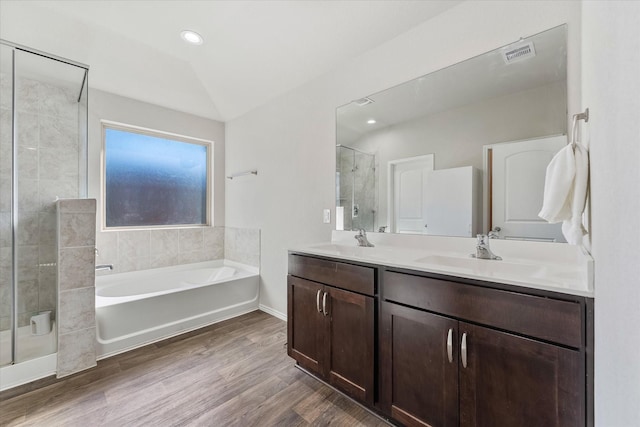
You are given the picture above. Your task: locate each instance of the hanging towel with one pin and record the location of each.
(558, 186)
(572, 227)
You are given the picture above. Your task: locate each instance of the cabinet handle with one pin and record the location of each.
(318, 301)
(450, 345)
(324, 304)
(463, 349)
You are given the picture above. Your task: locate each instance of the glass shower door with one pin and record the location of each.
(355, 189)
(48, 167)
(364, 194)
(344, 188)
(42, 158)
(6, 236)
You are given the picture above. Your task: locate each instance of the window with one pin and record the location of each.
(154, 179)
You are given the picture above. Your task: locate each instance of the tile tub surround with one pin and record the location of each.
(242, 245)
(76, 219)
(134, 250)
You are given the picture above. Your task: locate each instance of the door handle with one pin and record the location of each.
(324, 304)
(318, 301)
(450, 345)
(463, 350)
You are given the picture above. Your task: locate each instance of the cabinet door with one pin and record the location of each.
(351, 343)
(305, 323)
(515, 381)
(418, 382)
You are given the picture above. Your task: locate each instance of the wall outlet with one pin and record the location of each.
(326, 216)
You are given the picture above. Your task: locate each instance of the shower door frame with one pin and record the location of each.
(14, 168)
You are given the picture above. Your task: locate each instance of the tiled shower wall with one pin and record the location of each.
(133, 250)
(48, 148)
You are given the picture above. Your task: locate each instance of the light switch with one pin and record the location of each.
(326, 216)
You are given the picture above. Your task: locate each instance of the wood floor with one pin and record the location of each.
(234, 373)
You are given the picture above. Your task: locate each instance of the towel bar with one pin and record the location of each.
(574, 127)
(235, 175)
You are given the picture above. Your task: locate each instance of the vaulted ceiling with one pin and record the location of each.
(253, 51)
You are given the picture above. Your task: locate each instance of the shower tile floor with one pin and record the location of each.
(233, 373)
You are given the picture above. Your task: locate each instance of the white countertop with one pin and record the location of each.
(553, 267)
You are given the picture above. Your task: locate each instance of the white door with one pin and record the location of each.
(517, 172)
(407, 185)
(450, 208)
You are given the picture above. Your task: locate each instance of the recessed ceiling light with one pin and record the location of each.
(371, 121)
(191, 37)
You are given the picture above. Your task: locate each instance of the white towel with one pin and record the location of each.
(572, 227)
(565, 191)
(558, 183)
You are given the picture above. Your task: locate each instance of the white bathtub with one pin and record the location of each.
(137, 308)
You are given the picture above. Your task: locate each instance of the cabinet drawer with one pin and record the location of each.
(351, 277)
(543, 318)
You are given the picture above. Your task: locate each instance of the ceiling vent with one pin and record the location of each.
(518, 53)
(363, 101)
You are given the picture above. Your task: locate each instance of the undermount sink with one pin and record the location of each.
(483, 266)
(354, 251)
(340, 249)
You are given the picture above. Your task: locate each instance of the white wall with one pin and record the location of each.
(291, 140)
(611, 90)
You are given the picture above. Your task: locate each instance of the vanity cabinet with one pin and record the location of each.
(519, 381)
(419, 384)
(331, 322)
(461, 354)
(427, 349)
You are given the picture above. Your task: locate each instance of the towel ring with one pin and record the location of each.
(574, 127)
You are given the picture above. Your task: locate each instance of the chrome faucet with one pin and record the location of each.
(104, 267)
(482, 249)
(494, 234)
(361, 237)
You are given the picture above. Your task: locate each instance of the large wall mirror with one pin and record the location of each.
(460, 151)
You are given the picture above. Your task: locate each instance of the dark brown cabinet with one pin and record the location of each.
(438, 370)
(331, 330)
(419, 370)
(449, 351)
(306, 339)
(515, 381)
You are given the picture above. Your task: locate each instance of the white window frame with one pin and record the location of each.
(107, 124)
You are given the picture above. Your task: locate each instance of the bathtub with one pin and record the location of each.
(137, 308)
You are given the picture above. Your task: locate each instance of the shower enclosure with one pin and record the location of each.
(355, 189)
(43, 157)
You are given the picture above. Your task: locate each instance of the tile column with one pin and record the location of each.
(76, 228)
